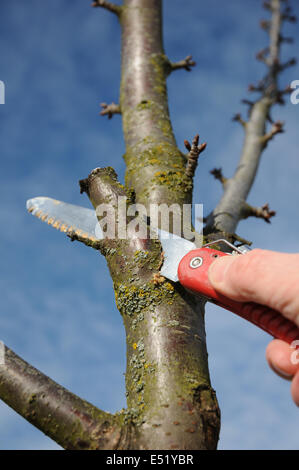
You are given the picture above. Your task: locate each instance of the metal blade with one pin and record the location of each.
(66, 217)
(175, 248)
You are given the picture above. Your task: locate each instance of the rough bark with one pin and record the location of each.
(170, 399)
(155, 165)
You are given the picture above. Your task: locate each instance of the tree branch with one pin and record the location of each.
(277, 128)
(110, 109)
(75, 236)
(108, 6)
(70, 421)
(238, 118)
(186, 64)
(228, 211)
(263, 212)
(192, 157)
(151, 149)
(217, 173)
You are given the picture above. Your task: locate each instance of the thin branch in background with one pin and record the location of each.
(230, 208)
(192, 157)
(110, 109)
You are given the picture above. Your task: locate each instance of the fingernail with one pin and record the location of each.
(282, 373)
(218, 269)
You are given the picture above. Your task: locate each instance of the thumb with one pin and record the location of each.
(261, 276)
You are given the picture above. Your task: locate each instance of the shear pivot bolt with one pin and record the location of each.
(196, 262)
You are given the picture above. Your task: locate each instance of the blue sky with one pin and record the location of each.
(58, 63)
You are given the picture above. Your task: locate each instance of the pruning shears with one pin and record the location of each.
(187, 264)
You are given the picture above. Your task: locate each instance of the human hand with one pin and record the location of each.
(268, 278)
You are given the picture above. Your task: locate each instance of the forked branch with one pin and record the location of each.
(186, 64)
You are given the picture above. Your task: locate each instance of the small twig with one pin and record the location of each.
(250, 105)
(261, 55)
(289, 63)
(186, 64)
(277, 128)
(288, 89)
(285, 39)
(108, 5)
(94, 243)
(192, 157)
(110, 109)
(217, 173)
(265, 25)
(287, 16)
(238, 118)
(267, 6)
(260, 87)
(262, 212)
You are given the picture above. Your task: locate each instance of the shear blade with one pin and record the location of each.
(174, 248)
(66, 217)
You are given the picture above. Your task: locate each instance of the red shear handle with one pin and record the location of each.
(193, 275)
(270, 321)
